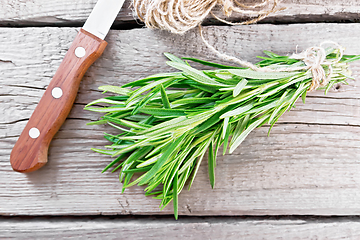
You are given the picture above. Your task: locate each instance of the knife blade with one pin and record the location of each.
(31, 149)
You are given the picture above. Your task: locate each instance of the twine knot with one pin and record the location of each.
(315, 59)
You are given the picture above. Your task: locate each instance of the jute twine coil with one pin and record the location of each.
(179, 16)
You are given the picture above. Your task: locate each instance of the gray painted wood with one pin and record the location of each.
(67, 12)
(308, 166)
(193, 228)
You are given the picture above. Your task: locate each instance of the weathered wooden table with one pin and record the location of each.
(302, 182)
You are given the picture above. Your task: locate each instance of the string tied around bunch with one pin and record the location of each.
(314, 59)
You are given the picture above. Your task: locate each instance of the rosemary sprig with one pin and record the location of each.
(169, 121)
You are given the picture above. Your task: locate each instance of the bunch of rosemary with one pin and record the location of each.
(169, 121)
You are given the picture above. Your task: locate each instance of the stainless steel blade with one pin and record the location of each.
(102, 17)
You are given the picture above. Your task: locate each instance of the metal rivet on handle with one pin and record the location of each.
(80, 52)
(57, 92)
(34, 133)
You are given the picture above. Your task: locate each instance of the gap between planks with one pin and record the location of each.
(67, 13)
(185, 228)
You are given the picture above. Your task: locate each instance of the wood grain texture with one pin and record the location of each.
(30, 154)
(70, 13)
(190, 228)
(308, 166)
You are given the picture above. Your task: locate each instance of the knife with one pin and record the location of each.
(31, 149)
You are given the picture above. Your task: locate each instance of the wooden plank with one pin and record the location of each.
(70, 13)
(308, 165)
(190, 228)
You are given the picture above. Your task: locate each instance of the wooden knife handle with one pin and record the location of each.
(31, 149)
